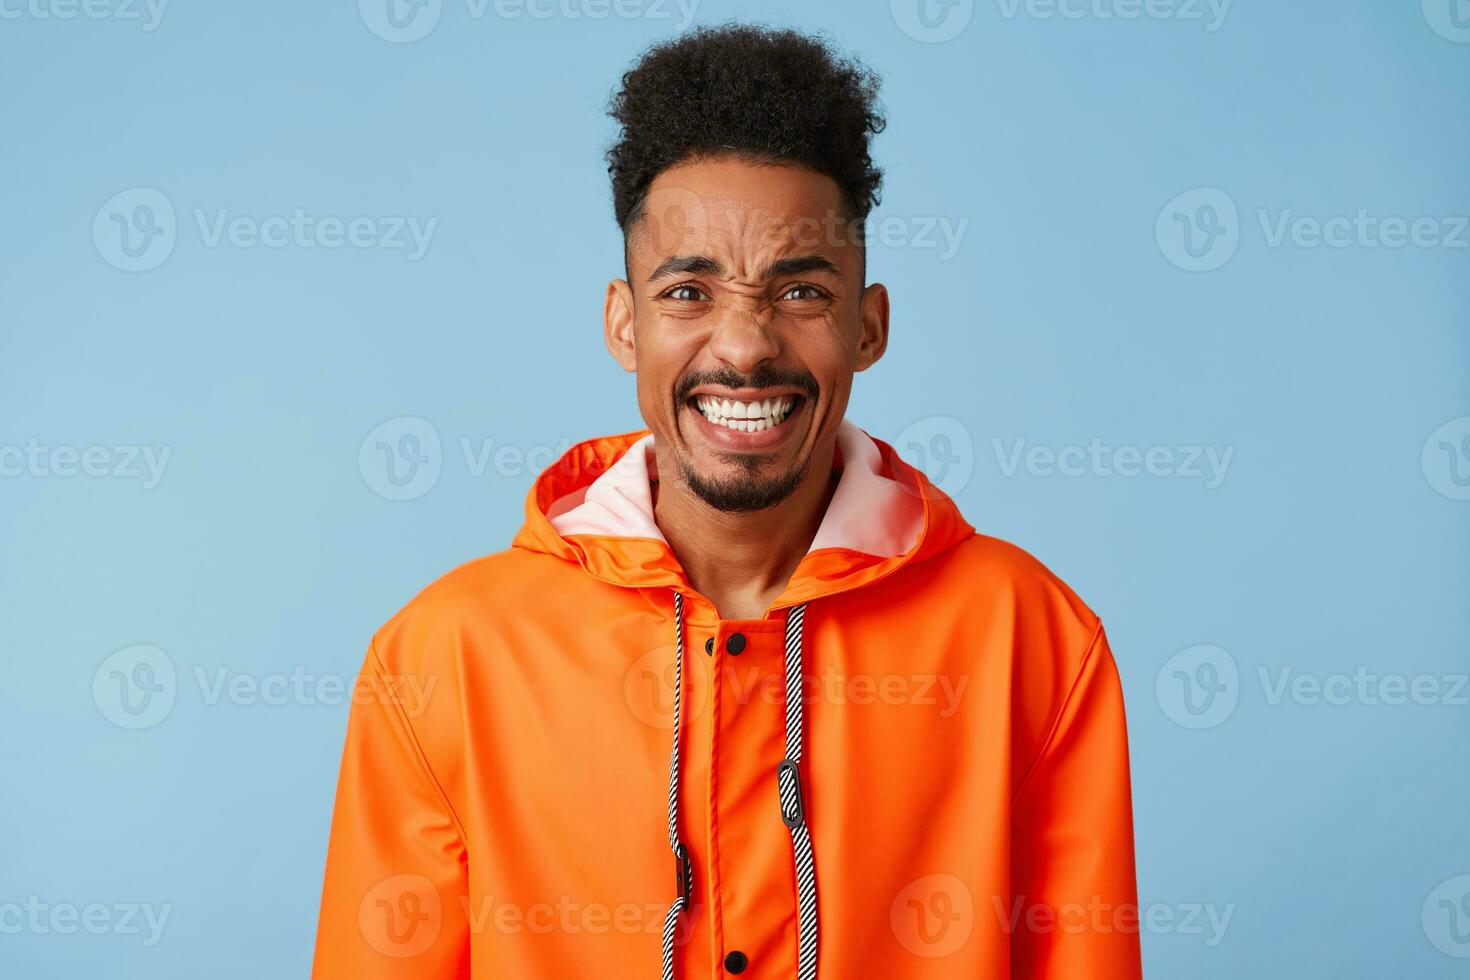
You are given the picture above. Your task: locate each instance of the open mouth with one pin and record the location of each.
(746, 416)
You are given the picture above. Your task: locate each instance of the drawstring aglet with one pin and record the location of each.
(684, 874)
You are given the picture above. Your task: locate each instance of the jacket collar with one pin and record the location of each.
(594, 506)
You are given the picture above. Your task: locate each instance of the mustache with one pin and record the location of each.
(764, 377)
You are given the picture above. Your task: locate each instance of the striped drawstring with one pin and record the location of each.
(683, 870)
(793, 812)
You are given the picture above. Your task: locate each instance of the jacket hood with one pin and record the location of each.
(594, 506)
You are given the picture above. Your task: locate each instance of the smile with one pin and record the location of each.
(754, 416)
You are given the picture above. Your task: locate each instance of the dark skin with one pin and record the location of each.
(744, 278)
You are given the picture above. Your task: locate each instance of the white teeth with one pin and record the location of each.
(745, 416)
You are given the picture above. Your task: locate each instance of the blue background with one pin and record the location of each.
(266, 549)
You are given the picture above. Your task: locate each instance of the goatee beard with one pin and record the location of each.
(743, 493)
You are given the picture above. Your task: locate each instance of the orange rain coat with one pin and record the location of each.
(503, 805)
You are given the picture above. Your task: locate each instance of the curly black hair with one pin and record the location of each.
(766, 94)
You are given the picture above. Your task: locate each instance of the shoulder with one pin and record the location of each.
(1033, 620)
(435, 655)
(467, 602)
(1007, 579)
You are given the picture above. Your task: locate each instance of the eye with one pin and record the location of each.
(805, 291)
(685, 292)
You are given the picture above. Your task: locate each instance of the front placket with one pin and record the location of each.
(752, 896)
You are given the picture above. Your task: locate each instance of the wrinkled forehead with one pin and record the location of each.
(744, 216)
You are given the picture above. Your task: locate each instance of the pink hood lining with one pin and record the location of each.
(869, 512)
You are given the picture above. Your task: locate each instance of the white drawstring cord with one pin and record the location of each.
(683, 870)
(793, 811)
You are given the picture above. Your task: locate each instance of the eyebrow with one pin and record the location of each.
(680, 264)
(704, 265)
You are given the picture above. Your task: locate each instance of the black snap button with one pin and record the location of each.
(735, 961)
(735, 643)
(709, 646)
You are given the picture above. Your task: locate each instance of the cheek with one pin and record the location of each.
(823, 350)
(663, 358)
(830, 338)
(654, 394)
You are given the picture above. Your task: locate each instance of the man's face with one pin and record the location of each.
(745, 317)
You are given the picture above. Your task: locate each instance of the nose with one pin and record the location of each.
(744, 338)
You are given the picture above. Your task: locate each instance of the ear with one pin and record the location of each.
(873, 328)
(617, 324)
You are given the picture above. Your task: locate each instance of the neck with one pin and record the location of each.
(742, 561)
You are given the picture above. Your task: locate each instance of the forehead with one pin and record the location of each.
(741, 213)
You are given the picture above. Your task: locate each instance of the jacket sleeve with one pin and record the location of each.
(393, 903)
(1073, 877)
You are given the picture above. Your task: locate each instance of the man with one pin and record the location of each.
(750, 646)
